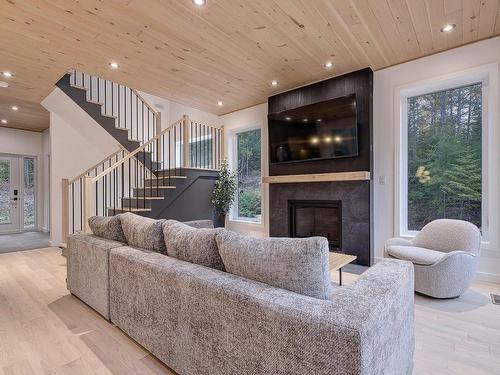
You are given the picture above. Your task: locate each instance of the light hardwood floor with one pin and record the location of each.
(44, 330)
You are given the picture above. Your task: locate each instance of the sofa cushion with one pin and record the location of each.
(200, 223)
(143, 232)
(109, 227)
(191, 244)
(296, 264)
(416, 255)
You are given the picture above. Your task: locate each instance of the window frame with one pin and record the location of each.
(488, 77)
(234, 217)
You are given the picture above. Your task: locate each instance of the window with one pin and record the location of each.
(248, 156)
(5, 192)
(29, 193)
(444, 176)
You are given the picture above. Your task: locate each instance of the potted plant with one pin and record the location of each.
(224, 192)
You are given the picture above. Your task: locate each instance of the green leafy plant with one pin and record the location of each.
(225, 189)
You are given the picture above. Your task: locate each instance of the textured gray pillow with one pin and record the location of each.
(143, 232)
(109, 227)
(200, 223)
(192, 245)
(296, 264)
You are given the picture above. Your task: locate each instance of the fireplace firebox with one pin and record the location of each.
(307, 218)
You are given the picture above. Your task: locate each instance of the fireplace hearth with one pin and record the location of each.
(308, 218)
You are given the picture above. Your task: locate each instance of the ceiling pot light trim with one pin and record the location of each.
(4, 121)
(448, 27)
(14, 108)
(8, 74)
(114, 65)
(199, 3)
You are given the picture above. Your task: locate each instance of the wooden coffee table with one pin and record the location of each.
(339, 260)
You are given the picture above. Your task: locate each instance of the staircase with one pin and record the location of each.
(157, 173)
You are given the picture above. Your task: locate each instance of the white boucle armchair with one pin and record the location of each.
(444, 255)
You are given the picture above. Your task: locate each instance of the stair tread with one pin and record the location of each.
(130, 209)
(164, 177)
(144, 198)
(154, 187)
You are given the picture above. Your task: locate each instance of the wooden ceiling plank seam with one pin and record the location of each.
(354, 32)
(383, 14)
(470, 19)
(487, 16)
(421, 23)
(366, 14)
(404, 24)
(435, 11)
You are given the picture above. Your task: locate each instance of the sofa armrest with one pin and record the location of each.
(200, 320)
(87, 270)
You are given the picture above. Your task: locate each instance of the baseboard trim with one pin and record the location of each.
(488, 277)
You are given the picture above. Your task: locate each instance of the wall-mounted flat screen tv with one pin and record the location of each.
(324, 130)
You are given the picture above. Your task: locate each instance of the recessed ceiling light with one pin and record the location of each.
(319, 120)
(14, 107)
(7, 74)
(199, 3)
(288, 118)
(448, 27)
(328, 65)
(274, 83)
(305, 120)
(4, 121)
(4, 84)
(219, 103)
(114, 65)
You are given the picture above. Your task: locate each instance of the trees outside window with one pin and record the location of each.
(248, 154)
(444, 156)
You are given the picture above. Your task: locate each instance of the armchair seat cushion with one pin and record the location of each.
(416, 255)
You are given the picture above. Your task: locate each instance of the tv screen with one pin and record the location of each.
(324, 130)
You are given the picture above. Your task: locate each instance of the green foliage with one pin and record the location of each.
(249, 174)
(249, 203)
(225, 189)
(444, 156)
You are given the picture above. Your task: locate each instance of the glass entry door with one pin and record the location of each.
(10, 194)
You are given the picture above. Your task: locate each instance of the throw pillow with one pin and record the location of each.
(296, 264)
(192, 245)
(109, 227)
(143, 232)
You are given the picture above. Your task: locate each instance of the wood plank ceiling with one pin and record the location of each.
(228, 50)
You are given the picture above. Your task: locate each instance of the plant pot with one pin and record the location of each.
(220, 221)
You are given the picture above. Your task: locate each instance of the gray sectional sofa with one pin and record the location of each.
(201, 320)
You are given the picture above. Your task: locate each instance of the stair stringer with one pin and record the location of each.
(190, 200)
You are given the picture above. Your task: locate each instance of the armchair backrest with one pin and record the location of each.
(449, 235)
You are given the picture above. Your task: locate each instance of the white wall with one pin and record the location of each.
(26, 143)
(386, 83)
(253, 117)
(77, 143)
(46, 179)
(172, 111)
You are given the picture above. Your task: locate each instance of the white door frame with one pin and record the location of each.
(17, 183)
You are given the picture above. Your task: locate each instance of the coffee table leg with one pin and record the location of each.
(340, 276)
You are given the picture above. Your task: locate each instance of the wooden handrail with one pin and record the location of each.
(98, 164)
(145, 102)
(133, 153)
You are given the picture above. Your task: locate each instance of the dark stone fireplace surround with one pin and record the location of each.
(356, 196)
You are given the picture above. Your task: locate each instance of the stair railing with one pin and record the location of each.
(126, 105)
(131, 181)
(73, 220)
